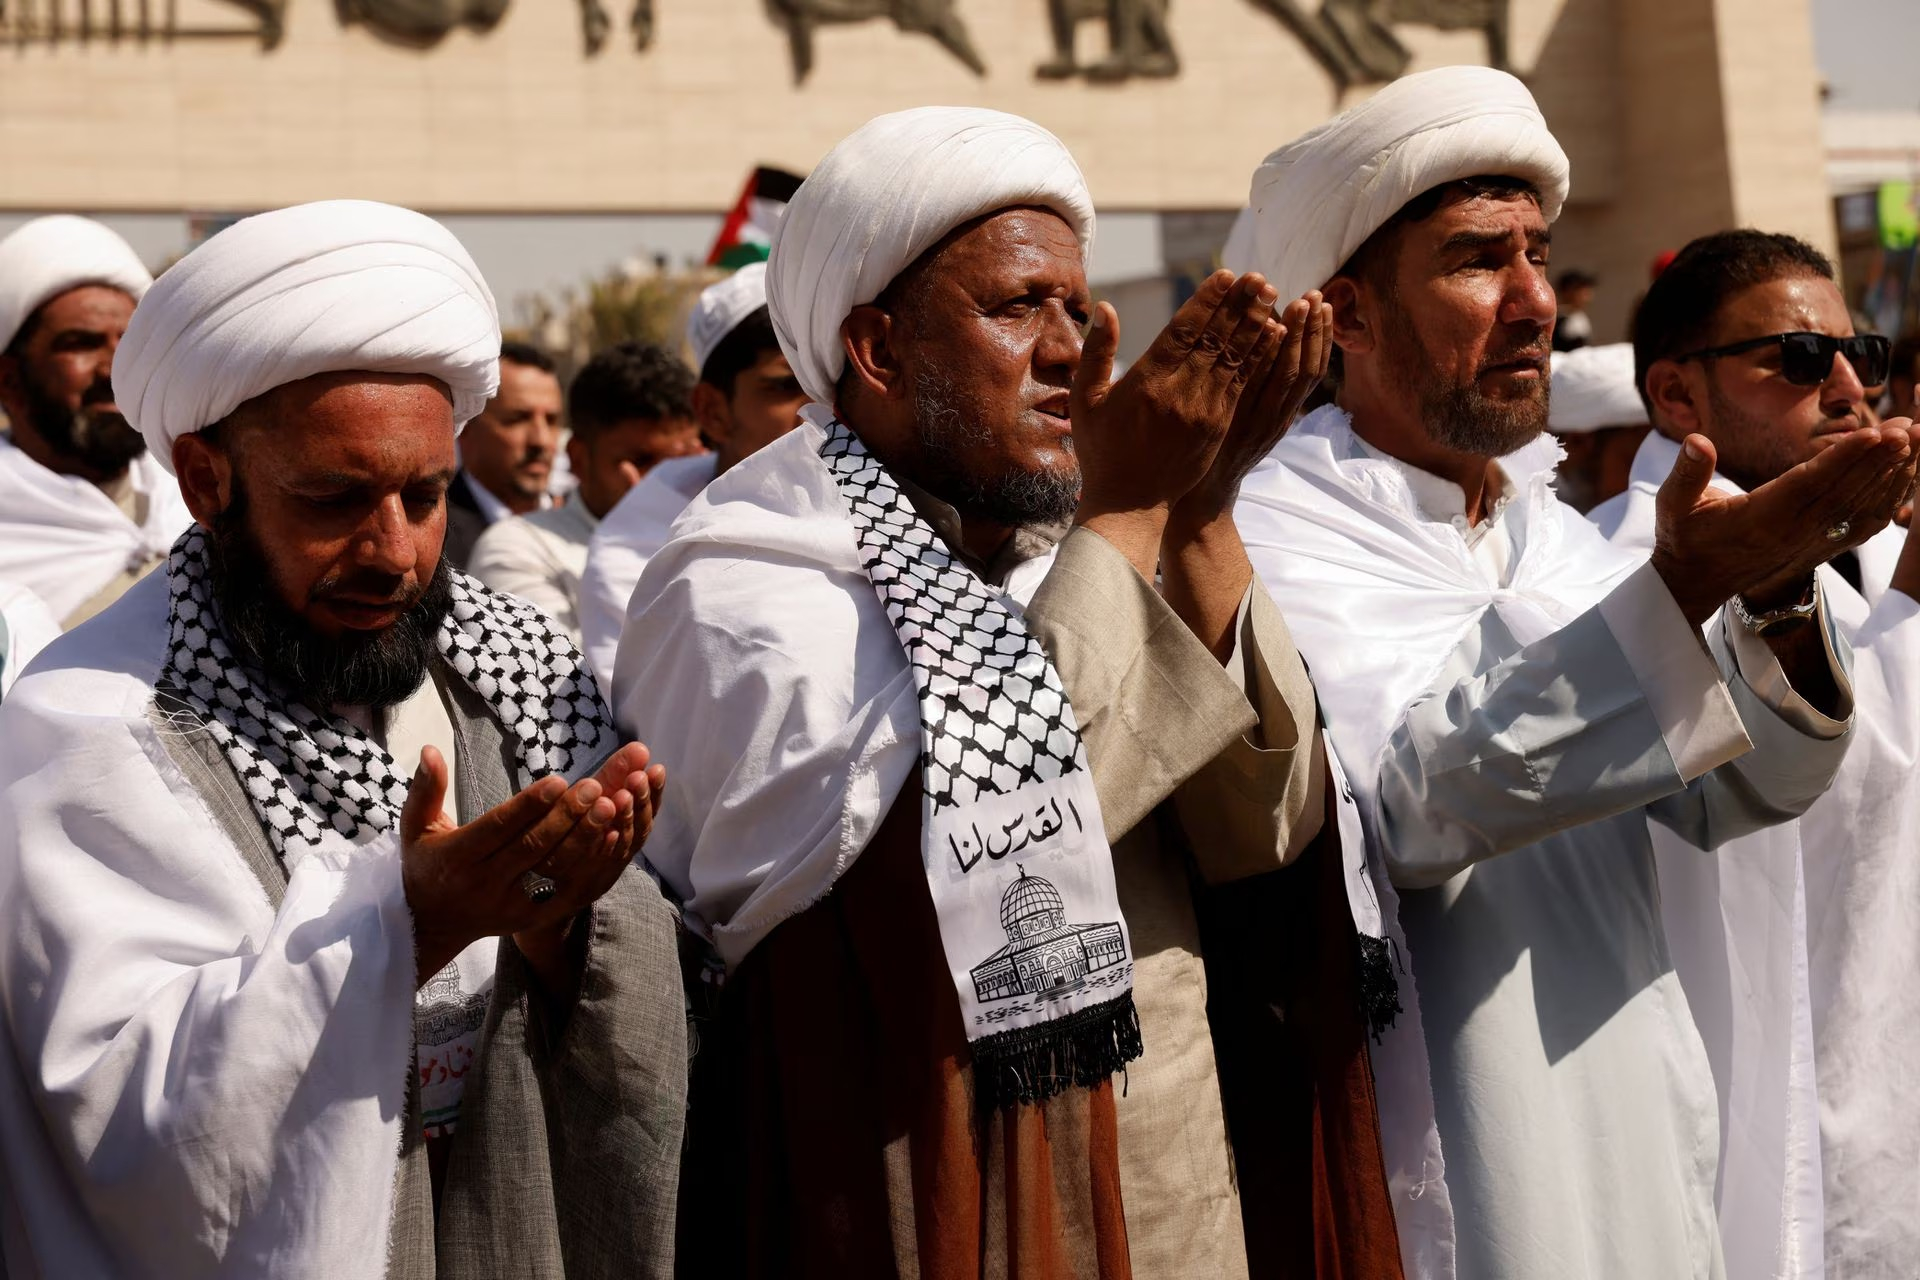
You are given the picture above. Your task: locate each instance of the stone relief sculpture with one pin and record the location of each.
(1354, 39)
(936, 18)
(596, 26)
(420, 21)
(24, 22)
(1138, 43)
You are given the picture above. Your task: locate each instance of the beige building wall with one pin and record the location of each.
(1680, 116)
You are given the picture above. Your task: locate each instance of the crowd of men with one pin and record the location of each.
(1364, 793)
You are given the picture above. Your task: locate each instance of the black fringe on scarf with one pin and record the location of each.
(1379, 991)
(1079, 1050)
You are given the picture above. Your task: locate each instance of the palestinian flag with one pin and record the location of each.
(747, 234)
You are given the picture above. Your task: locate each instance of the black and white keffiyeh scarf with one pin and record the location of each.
(308, 773)
(1012, 841)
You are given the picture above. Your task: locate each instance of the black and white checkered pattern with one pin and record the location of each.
(308, 773)
(993, 713)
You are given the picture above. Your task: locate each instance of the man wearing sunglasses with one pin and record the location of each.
(1797, 945)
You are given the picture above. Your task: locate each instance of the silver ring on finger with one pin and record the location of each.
(537, 887)
(1838, 532)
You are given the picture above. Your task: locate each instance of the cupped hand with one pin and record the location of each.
(464, 883)
(1710, 546)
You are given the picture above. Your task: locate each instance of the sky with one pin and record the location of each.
(1869, 51)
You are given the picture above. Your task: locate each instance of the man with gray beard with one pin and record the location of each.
(1513, 698)
(84, 512)
(959, 789)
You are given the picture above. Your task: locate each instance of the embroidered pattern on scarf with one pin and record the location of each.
(1012, 840)
(307, 773)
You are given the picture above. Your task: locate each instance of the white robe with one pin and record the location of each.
(29, 626)
(191, 1083)
(1510, 721)
(1797, 946)
(63, 539)
(539, 557)
(630, 535)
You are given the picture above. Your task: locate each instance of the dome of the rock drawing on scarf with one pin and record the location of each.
(1030, 906)
(1046, 956)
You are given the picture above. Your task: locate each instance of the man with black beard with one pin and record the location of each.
(975, 712)
(84, 512)
(1514, 699)
(320, 954)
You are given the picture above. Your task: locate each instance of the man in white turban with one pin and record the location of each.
(1514, 699)
(631, 412)
(1597, 415)
(1797, 944)
(746, 398)
(922, 743)
(85, 510)
(271, 1008)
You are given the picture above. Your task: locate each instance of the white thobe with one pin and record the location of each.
(1797, 947)
(539, 557)
(630, 535)
(26, 627)
(66, 541)
(191, 1081)
(1513, 701)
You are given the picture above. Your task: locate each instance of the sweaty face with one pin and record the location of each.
(1761, 424)
(1468, 325)
(509, 447)
(62, 383)
(327, 566)
(988, 335)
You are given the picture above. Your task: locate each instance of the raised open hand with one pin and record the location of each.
(1147, 439)
(1271, 401)
(467, 883)
(1710, 546)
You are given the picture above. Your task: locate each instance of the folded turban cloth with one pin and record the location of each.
(334, 287)
(1319, 197)
(48, 256)
(885, 195)
(722, 307)
(1593, 387)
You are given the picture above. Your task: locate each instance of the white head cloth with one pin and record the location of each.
(1319, 197)
(885, 195)
(722, 307)
(333, 287)
(48, 256)
(1593, 387)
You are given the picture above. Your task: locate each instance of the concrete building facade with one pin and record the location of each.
(555, 162)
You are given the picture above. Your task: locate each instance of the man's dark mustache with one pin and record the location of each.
(387, 589)
(101, 392)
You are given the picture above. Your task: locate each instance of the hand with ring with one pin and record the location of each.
(527, 866)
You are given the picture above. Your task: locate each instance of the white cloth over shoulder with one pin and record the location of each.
(1802, 939)
(1593, 388)
(886, 194)
(333, 287)
(64, 539)
(48, 256)
(759, 661)
(26, 627)
(191, 1083)
(631, 535)
(722, 307)
(1317, 199)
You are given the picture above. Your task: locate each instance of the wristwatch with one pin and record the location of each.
(1777, 620)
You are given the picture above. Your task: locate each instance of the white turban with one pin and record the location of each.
(722, 307)
(1317, 199)
(48, 256)
(335, 287)
(885, 195)
(1593, 387)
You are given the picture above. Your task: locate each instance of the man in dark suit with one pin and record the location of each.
(506, 454)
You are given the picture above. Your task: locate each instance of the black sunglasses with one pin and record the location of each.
(1806, 359)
